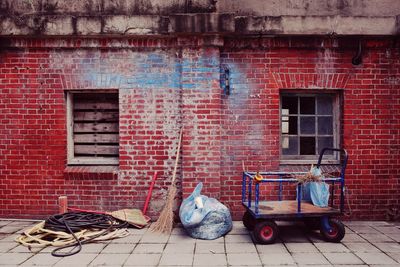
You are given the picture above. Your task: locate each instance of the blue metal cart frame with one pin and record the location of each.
(330, 228)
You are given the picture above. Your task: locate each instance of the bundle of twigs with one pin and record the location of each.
(165, 221)
(308, 177)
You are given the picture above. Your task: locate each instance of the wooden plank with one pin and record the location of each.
(70, 131)
(104, 116)
(289, 208)
(95, 127)
(90, 105)
(96, 150)
(96, 138)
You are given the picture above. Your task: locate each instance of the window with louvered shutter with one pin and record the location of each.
(93, 128)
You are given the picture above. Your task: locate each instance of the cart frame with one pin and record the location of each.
(302, 210)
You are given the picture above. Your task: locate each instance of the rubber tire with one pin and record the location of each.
(338, 231)
(248, 221)
(265, 232)
(312, 224)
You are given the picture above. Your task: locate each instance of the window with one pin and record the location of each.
(309, 122)
(93, 128)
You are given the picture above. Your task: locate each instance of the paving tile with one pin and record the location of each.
(388, 247)
(309, 258)
(143, 260)
(301, 247)
(238, 239)
(217, 240)
(363, 229)
(352, 238)
(150, 237)
(362, 247)
(10, 238)
(118, 249)
(213, 248)
(4, 222)
(80, 259)
(137, 231)
(23, 249)
(395, 237)
(110, 259)
(395, 256)
(130, 239)
(366, 223)
(149, 248)
(209, 260)
(272, 248)
(177, 248)
(331, 247)
(297, 237)
(240, 248)
(10, 229)
(243, 259)
(178, 231)
(388, 229)
(14, 258)
(376, 238)
(176, 259)
(375, 258)
(92, 248)
(181, 239)
(41, 260)
(277, 259)
(238, 229)
(7, 246)
(343, 258)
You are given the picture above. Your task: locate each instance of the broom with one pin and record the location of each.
(165, 221)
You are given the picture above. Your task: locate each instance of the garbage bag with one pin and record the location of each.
(204, 217)
(316, 192)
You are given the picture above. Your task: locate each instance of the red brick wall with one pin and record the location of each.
(165, 84)
(370, 124)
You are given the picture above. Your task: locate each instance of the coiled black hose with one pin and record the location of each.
(72, 222)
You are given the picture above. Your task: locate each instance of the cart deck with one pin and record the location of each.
(288, 209)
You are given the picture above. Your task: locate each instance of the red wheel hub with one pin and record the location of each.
(334, 231)
(267, 232)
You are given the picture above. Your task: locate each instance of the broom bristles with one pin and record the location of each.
(165, 221)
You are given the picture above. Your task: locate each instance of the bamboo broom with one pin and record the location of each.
(165, 221)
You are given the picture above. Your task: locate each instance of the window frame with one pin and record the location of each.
(336, 117)
(71, 159)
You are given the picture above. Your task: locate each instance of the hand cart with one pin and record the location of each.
(260, 216)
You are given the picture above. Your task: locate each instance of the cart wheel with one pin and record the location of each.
(337, 233)
(248, 221)
(265, 232)
(312, 224)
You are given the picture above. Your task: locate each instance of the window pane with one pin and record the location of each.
(324, 105)
(289, 145)
(292, 125)
(307, 125)
(325, 142)
(307, 145)
(290, 103)
(307, 105)
(325, 125)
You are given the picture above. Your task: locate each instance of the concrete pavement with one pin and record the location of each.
(365, 244)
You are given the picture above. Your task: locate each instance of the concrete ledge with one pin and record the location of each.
(210, 23)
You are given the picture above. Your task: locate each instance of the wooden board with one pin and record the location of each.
(90, 105)
(289, 208)
(96, 127)
(96, 138)
(96, 150)
(104, 116)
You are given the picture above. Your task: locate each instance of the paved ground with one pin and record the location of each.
(365, 244)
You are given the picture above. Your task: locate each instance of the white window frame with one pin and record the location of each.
(336, 112)
(71, 159)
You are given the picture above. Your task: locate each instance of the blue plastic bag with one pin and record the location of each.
(204, 217)
(316, 192)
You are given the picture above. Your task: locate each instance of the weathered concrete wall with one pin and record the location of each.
(122, 17)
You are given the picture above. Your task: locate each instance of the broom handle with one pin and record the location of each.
(146, 203)
(177, 156)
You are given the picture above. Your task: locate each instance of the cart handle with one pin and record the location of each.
(346, 157)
